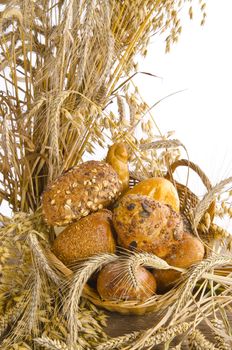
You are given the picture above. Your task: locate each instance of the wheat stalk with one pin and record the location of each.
(203, 205)
(80, 278)
(196, 273)
(41, 258)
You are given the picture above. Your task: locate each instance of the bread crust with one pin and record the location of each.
(117, 157)
(189, 251)
(146, 225)
(160, 189)
(89, 236)
(114, 283)
(86, 188)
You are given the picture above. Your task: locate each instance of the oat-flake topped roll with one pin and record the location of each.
(86, 188)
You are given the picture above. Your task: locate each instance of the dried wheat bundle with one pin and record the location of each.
(66, 67)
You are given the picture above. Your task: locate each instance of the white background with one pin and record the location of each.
(201, 63)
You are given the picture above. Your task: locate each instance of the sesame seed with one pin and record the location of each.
(94, 171)
(100, 206)
(53, 202)
(86, 182)
(68, 201)
(68, 192)
(85, 213)
(95, 200)
(105, 183)
(58, 191)
(93, 181)
(74, 185)
(89, 204)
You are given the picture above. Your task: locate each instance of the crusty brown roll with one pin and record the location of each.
(146, 224)
(117, 157)
(88, 236)
(159, 189)
(86, 188)
(189, 251)
(114, 283)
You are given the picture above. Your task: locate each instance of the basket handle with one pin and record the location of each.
(199, 172)
(191, 165)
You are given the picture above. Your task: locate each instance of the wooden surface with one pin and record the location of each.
(122, 324)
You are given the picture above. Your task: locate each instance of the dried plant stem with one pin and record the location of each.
(161, 336)
(203, 205)
(195, 274)
(77, 284)
(41, 258)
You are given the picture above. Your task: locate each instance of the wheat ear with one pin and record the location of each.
(51, 344)
(203, 205)
(77, 284)
(197, 341)
(41, 259)
(196, 272)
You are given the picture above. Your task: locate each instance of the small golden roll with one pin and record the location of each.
(160, 189)
(117, 157)
(114, 283)
(147, 225)
(189, 251)
(89, 236)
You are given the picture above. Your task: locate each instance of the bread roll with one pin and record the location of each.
(88, 236)
(84, 189)
(117, 157)
(159, 189)
(189, 251)
(114, 283)
(147, 225)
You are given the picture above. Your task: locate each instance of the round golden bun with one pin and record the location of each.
(147, 225)
(189, 251)
(86, 188)
(114, 283)
(159, 189)
(89, 236)
(117, 157)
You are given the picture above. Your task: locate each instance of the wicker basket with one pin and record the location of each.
(188, 201)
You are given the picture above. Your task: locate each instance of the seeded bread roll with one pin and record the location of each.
(86, 188)
(114, 283)
(86, 237)
(159, 189)
(147, 225)
(189, 251)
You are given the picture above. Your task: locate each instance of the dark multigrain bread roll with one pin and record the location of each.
(147, 225)
(86, 188)
(82, 239)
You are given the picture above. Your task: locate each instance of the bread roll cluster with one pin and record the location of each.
(144, 218)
